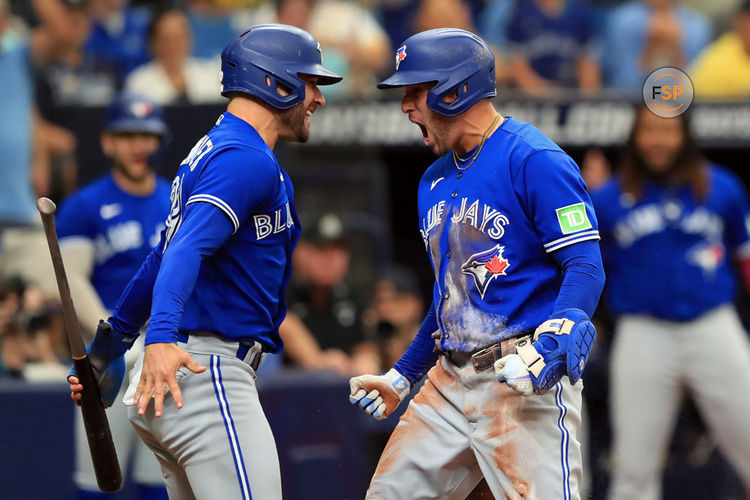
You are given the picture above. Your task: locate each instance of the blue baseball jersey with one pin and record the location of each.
(122, 227)
(239, 290)
(489, 231)
(668, 255)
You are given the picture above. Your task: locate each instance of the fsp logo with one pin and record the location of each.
(668, 92)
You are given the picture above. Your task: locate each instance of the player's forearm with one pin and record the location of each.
(299, 343)
(78, 256)
(421, 353)
(583, 277)
(204, 229)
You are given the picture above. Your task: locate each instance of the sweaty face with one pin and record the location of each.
(130, 152)
(295, 121)
(659, 141)
(435, 128)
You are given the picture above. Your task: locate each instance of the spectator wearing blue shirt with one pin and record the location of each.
(643, 36)
(22, 243)
(118, 34)
(551, 45)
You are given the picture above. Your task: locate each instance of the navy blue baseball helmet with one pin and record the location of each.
(452, 58)
(266, 55)
(135, 113)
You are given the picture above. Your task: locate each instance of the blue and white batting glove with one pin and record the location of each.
(379, 395)
(107, 356)
(562, 347)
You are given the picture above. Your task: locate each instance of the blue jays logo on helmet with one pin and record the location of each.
(455, 60)
(135, 113)
(400, 56)
(485, 267)
(268, 55)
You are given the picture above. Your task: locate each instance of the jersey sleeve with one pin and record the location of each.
(554, 197)
(74, 220)
(237, 181)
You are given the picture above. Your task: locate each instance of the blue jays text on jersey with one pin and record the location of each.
(239, 290)
(669, 255)
(121, 227)
(489, 230)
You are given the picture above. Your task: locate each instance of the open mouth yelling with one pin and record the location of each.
(425, 132)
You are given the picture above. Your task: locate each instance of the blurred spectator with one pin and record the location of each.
(75, 76)
(354, 43)
(30, 333)
(174, 76)
(551, 45)
(395, 313)
(443, 14)
(322, 296)
(494, 21)
(118, 34)
(673, 226)
(723, 69)
(215, 22)
(595, 169)
(643, 36)
(718, 12)
(23, 249)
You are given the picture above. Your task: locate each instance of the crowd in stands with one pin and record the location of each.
(55, 54)
(60, 53)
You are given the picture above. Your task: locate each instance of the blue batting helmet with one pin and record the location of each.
(266, 55)
(135, 113)
(452, 58)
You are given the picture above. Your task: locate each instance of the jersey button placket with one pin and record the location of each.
(454, 194)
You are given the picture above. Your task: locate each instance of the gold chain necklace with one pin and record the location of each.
(486, 134)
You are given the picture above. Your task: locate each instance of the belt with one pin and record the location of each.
(248, 351)
(485, 358)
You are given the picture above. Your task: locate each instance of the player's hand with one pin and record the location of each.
(380, 395)
(562, 347)
(106, 355)
(109, 381)
(513, 371)
(160, 364)
(75, 389)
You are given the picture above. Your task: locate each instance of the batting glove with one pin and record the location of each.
(107, 356)
(380, 395)
(562, 346)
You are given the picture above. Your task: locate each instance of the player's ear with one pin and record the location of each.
(106, 143)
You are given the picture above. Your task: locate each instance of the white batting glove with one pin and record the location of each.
(513, 371)
(380, 395)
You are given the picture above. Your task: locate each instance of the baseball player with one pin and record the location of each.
(215, 282)
(106, 229)
(672, 224)
(512, 239)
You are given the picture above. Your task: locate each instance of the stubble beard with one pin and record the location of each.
(294, 119)
(130, 176)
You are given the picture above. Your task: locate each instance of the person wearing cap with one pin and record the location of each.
(212, 288)
(106, 229)
(722, 70)
(513, 241)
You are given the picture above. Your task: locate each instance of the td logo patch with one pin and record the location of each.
(573, 218)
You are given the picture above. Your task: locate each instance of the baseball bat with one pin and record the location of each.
(98, 434)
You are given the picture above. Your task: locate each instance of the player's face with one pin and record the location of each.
(295, 121)
(436, 130)
(659, 141)
(130, 153)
